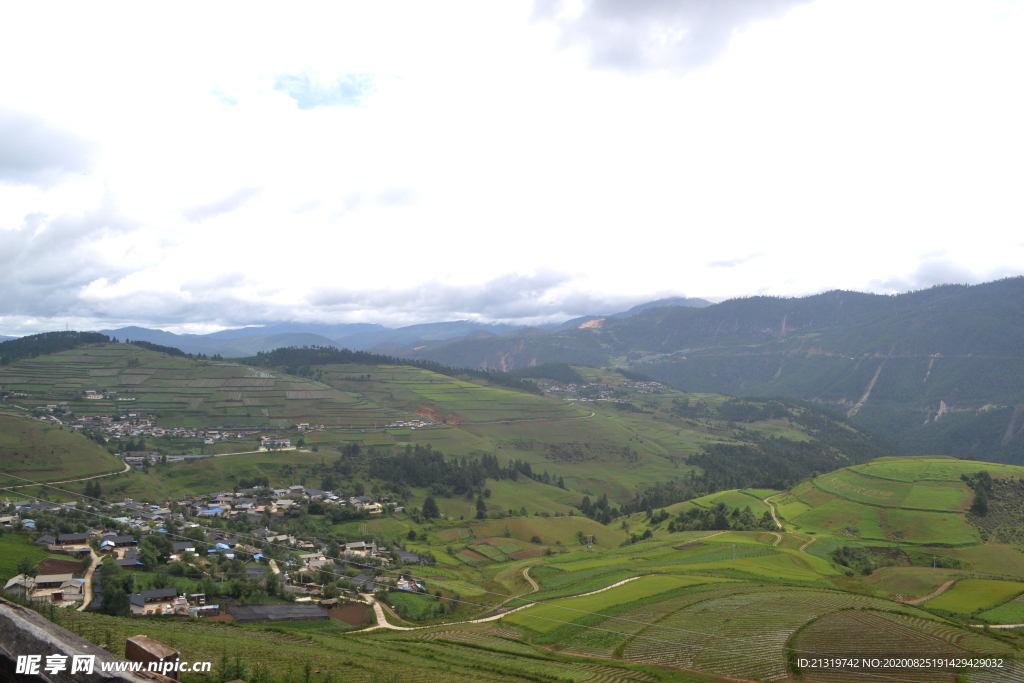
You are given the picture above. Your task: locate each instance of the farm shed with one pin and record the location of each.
(250, 613)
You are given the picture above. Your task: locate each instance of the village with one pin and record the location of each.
(204, 547)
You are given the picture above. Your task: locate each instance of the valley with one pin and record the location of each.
(564, 522)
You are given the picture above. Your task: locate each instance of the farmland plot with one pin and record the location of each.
(739, 635)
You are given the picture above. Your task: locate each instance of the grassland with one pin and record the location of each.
(13, 548)
(46, 452)
(925, 505)
(968, 596)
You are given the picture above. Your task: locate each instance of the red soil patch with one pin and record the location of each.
(493, 541)
(52, 566)
(221, 617)
(434, 413)
(353, 614)
(472, 555)
(526, 554)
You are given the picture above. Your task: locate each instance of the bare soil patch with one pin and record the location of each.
(52, 566)
(353, 614)
(437, 415)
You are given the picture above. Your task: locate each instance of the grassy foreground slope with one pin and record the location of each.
(48, 452)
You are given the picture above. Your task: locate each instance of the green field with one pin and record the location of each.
(968, 596)
(702, 603)
(553, 614)
(1011, 612)
(46, 452)
(13, 548)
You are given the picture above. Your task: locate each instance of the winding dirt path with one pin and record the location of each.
(382, 621)
(778, 537)
(804, 546)
(939, 591)
(87, 588)
(526, 575)
(771, 507)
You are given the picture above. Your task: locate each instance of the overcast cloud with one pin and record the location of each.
(35, 152)
(655, 34)
(515, 162)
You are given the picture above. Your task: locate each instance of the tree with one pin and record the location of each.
(481, 508)
(412, 535)
(561, 483)
(27, 567)
(430, 509)
(980, 504)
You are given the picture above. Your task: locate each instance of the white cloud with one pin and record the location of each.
(486, 171)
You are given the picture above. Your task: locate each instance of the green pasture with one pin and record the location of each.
(956, 498)
(30, 449)
(1011, 612)
(549, 615)
(551, 530)
(413, 606)
(733, 499)
(932, 469)
(849, 485)
(14, 547)
(968, 596)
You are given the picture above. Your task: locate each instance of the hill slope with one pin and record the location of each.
(940, 370)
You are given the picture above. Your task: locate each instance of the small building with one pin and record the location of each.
(72, 539)
(20, 585)
(119, 541)
(153, 601)
(45, 540)
(52, 580)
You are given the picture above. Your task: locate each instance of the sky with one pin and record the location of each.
(193, 167)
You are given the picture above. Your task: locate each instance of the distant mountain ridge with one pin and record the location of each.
(937, 371)
(246, 341)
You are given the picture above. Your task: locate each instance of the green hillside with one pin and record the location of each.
(625, 440)
(49, 452)
(637, 517)
(934, 371)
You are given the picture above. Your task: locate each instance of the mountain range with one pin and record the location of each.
(937, 371)
(247, 341)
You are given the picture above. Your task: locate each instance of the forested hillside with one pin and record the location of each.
(935, 371)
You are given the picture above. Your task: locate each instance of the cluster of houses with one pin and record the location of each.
(644, 387)
(253, 505)
(257, 502)
(142, 422)
(59, 589)
(412, 423)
